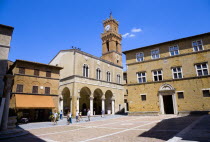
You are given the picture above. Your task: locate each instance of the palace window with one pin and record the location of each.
(36, 72)
(140, 57)
(157, 75)
(118, 78)
(202, 69)
(98, 74)
(21, 70)
(19, 88)
(85, 70)
(180, 95)
(197, 45)
(177, 72)
(155, 54)
(206, 93)
(108, 76)
(143, 97)
(141, 77)
(48, 73)
(174, 50)
(35, 89)
(47, 90)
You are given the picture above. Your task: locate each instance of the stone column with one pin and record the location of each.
(61, 104)
(78, 103)
(91, 106)
(71, 104)
(8, 86)
(103, 104)
(113, 106)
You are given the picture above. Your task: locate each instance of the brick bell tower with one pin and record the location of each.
(111, 41)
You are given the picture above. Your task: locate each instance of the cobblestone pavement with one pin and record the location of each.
(110, 129)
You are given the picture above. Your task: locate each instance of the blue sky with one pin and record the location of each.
(44, 27)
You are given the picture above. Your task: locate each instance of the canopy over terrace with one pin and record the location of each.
(33, 102)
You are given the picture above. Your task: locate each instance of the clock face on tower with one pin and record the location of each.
(107, 27)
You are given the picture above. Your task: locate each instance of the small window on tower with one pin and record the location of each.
(107, 46)
(116, 46)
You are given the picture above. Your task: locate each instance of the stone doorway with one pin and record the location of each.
(167, 99)
(168, 104)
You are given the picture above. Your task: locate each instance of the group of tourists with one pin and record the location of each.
(69, 116)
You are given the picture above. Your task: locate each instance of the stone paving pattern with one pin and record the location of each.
(112, 129)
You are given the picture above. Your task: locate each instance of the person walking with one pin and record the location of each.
(88, 115)
(77, 116)
(61, 115)
(102, 113)
(70, 117)
(80, 116)
(67, 118)
(55, 115)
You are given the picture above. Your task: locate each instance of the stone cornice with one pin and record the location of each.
(169, 80)
(162, 43)
(74, 76)
(36, 76)
(151, 60)
(35, 94)
(4, 46)
(110, 20)
(89, 55)
(111, 52)
(104, 36)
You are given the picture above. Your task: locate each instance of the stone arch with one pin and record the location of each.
(65, 100)
(108, 101)
(35, 83)
(165, 87)
(97, 104)
(84, 103)
(47, 84)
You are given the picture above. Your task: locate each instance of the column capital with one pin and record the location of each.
(103, 98)
(78, 97)
(113, 99)
(91, 98)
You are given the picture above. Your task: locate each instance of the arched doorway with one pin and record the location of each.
(84, 102)
(66, 100)
(97, 103)
(167, 99)
(108, 102)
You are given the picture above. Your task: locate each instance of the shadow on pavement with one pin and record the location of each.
(20, 135)
(168, 128)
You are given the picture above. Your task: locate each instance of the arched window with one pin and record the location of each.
(116, 46)
(107, 45)
(108, 76)
(98, 74)
(118, 78)
(85, 70)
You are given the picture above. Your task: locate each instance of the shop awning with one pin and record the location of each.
(34, 101)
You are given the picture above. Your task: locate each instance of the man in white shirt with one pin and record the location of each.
(77, 116)
(88, 115)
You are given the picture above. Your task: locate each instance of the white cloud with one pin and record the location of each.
(125, 35)
(136, 30)
(131, 35)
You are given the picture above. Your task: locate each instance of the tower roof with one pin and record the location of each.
(110, 19)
